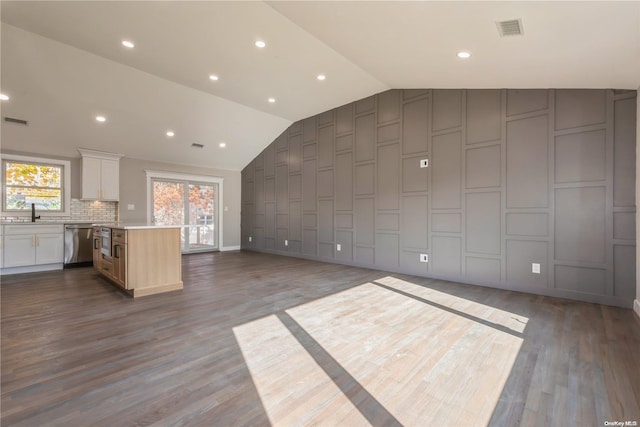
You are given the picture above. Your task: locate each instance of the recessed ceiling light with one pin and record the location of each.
(271, 100)
(321, 77)
(127, 43)
(223, 144)
(464, 54)
(170, 133)
(260, 44)
(213, 77)
(4, 97)
(101, 118)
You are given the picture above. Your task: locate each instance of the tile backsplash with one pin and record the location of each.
(81, 210)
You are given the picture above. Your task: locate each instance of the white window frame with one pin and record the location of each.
(66, 185)
(152, 174)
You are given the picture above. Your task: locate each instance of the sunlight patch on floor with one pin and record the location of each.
(294, 390)
(513, 321)
(423, 364)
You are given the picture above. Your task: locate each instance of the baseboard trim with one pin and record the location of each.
(30, 269)
(636, 307)
(535, 290)
(229, 248)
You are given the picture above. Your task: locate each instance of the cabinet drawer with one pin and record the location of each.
(119, 235)
(10, 230)
(106, 268)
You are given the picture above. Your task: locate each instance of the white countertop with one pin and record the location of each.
(121, 225)
(136, 225)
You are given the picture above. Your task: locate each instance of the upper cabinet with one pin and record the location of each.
(100, 175)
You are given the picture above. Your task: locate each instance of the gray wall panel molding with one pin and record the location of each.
(484, 119)
(365, 138)
(415, 126)
(580, 107)
(295, 128)
(388, 133)
(447, 109)
(366, 105)
(516, 177)
(389, 106)
(527, 173)
(580, 157)
(310, 128)
(523, 101)
(344, 143)
(414, 93)
(344, 119)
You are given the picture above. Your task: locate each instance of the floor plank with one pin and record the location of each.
(256, 339)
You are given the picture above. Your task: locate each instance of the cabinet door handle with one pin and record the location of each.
(116, 251)
(95, 243)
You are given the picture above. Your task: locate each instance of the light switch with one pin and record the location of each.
(535, 268)
(250, 239)
(286, 243)
(226, 208)
(424, 257)
(338, 247)
(131, 207)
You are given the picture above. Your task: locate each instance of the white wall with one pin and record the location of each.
(133, 190)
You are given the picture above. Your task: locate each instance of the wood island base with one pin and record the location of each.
(155, 290)
(143, 260)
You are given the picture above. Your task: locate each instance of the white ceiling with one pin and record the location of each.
(62, 63)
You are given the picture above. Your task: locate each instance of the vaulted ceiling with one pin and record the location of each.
(63, 63)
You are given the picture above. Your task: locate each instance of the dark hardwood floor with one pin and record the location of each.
(256, 339)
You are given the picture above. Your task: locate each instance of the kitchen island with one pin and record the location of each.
(141, 259)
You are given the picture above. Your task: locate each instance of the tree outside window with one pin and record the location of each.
(39, 183)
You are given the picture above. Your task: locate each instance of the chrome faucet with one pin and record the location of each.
(33, 213)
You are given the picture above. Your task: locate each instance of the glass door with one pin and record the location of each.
(191, 205)
(202, 214)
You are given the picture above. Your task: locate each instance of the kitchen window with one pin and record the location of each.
(41, 181)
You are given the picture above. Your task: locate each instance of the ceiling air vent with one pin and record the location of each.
(16, 121)
(195, 145)
(512, 27)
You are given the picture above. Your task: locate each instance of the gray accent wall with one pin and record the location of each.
(515, 177)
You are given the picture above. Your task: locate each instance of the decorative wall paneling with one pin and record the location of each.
(515, 177)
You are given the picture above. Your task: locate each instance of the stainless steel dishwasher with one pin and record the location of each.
(78, 245)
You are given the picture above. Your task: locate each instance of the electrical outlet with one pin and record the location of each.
(286, 243)
(535, 268)
(424, 163)
(338, 247)
(424, 258)
(250, 239)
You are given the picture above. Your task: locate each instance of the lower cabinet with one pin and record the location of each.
(97, 242)
(26, 245)
(120, 263)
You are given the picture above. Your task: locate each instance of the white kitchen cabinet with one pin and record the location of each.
(49, 248)
(21, 250)
(100, 175)
(27, 245)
